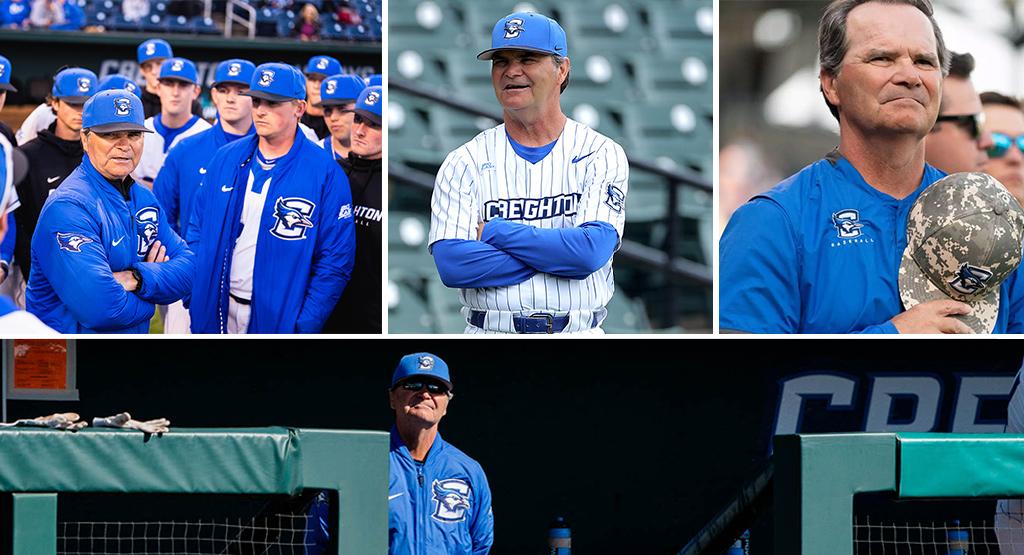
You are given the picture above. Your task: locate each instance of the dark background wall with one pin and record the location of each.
(637, 443)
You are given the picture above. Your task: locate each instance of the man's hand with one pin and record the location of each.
(480, 230)
(933, 317)
(157, 253)
(127, 280)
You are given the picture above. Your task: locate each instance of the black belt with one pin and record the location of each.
(240, 300)
(538, 322)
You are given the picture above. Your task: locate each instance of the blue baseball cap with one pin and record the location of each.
(527, 31)
(74, 85)
(421, 364)
(154, 48)
(114, 110)
(118, 82)
(340, 89)
(376, 80)
(277, 82)
(370, 104)
(234, 71)
(324, 65)
(5, 75)
(179, 69)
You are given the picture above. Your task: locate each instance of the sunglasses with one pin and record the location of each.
(433, 388)
(973, 123)
(1002, 143)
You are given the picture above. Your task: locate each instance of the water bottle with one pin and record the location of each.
(957, 540)
(559, 537)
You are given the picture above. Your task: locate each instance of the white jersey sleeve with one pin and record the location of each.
(39, 119)
(606, 183)
(453, 205)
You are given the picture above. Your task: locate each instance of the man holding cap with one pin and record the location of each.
(338, 94)
(525, 217)
(5, 85)
(317, 69)
(178, 88)
(359, 310)
(438, 498)
(272, 224)
(103, 255)
(52, 156)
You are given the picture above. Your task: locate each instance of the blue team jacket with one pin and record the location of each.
(305, 247)
(820, 253)
(176, 184)
(440, 506)
(86, 232)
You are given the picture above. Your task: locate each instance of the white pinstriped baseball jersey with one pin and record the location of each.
(584, 178)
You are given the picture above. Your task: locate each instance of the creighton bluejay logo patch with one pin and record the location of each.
(150, 49)
(146, 228)
(122, 106)
(970, 279)
(332, 86)
(84, 83)
(452, 500)
(177, 65)
(72, 242)
(266, 77)
(234, 69)
(322, 63)
(292, 218)
(847, 223)
(513, 28)
(616, 198)
(426, 362)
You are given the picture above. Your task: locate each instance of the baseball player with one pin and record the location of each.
(178, 88)
(151, 55)
(338, 94)
(438, 498)
(526, 216)
(272, 223)
(114, 82)
(178, 180)
(103, 255)
(318, 68)
(820, 253)
(52, 156)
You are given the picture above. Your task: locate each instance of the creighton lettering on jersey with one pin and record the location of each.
(584, 178)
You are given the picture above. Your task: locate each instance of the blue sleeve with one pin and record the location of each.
(759, 265)
(1013, 297)
(167, 282)
(471, 264)
(481, 530)
(166, 187)
(886, 327)
(83, 279)
(335, 254)
(7, 246)
(572, 252)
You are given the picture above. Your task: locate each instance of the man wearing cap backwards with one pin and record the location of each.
(151, 55)
(272, 222)
(52, 156)
(820, 252)
(359, 310)
(438, 498)
(103, 255)
(526, 216)
(338, 94)
(318, 68)
(178, 88)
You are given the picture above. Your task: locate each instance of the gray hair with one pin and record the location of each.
(832, 44)
(559, 60)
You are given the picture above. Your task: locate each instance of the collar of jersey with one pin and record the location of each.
(851, 175)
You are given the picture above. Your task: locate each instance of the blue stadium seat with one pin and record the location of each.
(177, 24)
(204, 26)
(332, 30)
(153, 23)
(158, 8)
(407, 309)
(677, 24)
(118, 23)
(285, 22)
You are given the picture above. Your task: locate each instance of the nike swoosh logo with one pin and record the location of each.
(574, 160)
(390, 497)
(202, 170)
(118, 242)
(52, 179)
(227, 189)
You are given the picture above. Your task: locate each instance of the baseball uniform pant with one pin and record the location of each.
(176, 319)
(238, 316)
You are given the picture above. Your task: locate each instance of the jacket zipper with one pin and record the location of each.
(421, 514)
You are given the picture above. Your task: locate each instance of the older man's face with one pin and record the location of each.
(890, 81)
(958, 146)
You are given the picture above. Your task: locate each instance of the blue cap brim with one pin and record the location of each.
(230, 81)
(486, 54)
(269, 96)
(8, 87)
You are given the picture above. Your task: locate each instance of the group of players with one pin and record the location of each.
(131, 201)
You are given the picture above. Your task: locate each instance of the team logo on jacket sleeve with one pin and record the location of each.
(72, 242)
(146, 227)
(970, 279)
(616, 198)
(292, 218)
(847, 223)
(452, 499)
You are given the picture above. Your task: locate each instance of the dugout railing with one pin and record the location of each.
(817, 476)
(676, 270)
(37, 466)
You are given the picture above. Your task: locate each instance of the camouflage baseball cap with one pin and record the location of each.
(964, 236)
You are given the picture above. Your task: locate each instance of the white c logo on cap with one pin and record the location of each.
(84, 84)
(234, 69)
(266, 78)
(177, 65)
(122, 106)
(321, 63)
(150, 49)
(513, 28)
(372, 98)
(332, 86)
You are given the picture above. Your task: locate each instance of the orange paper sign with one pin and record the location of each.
(41, 364)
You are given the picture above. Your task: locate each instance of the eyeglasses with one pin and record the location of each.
(434, 388)
(1002, 143)
(973, 123)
